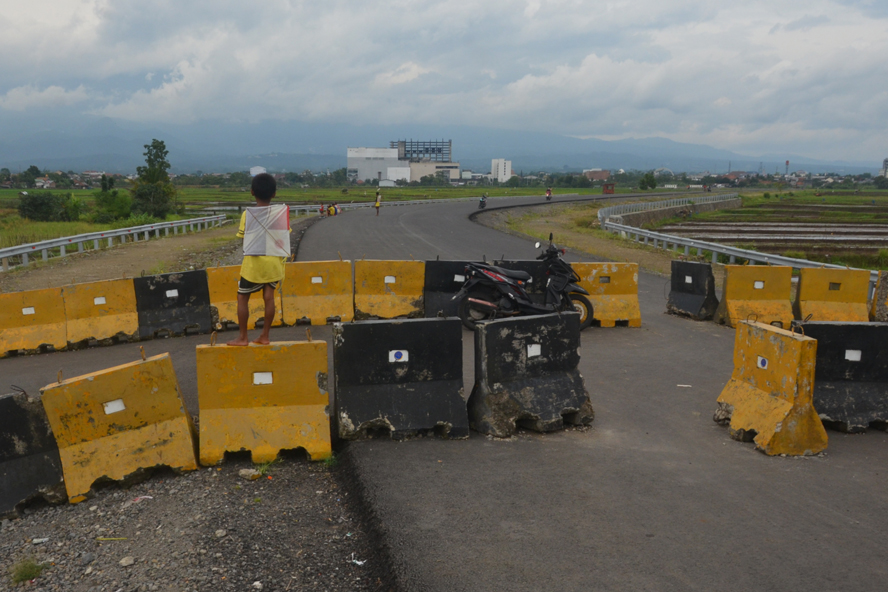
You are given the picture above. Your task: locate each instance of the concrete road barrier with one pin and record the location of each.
(401, 377)
(222, 284)
(389, 289)
(318, 292)
(443, 279)
(756, 292)
(692, 291)
(851, 378)
(879, 305)
(30, 466)
(832, 295)
(263, 399)
(32, 320)
(526, 375)
(770, 395)
(100, 311)
(173, 304)
(117, 422)
(613, 291)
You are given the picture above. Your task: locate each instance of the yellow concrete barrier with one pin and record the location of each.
(613, 290)
(110, 424)
(770, 393)
(318, 290)
(879, 306)
(756, 292)
(99, 310)
(833, 295)
(222, 282)
(389, 289)
(31, 319)
(263, 398)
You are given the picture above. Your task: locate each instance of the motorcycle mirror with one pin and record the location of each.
(537, 245)
(550, 237)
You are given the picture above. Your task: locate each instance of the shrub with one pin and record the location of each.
(51, 207)
(766, 195)
(112, 205)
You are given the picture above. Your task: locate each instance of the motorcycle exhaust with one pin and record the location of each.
(483, 303)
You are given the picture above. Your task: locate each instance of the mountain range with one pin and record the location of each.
(216, 146)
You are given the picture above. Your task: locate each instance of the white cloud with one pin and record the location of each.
(403, 73)
(747, 75)
(30, 97)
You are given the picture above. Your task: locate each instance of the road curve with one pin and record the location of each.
(656, 496)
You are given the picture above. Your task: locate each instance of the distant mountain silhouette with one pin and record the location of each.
(219, 146)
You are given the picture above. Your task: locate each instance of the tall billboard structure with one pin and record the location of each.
(422, 150)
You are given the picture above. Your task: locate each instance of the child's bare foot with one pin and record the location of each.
(238, 341)
(261, 341)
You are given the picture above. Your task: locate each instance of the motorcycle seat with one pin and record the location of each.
(515, 274)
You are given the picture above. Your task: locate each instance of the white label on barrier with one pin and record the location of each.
(762, 363)
(689, 279)
(29, 311)
(114, 406)
(399, 355)
(390, 279)
(172, 293)
(317, 280)
(263, 378)
(459, 279)
(853, 355)
(534, 350)
(604, 279)
(99, 300)
(759, 285)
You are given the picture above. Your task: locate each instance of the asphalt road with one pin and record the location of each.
(656, 496)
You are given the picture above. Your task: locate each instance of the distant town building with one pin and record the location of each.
(884, 171)
(403, 160)
(596, 174)
(256, 170)
(501, 169)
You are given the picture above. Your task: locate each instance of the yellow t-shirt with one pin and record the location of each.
(260, 269)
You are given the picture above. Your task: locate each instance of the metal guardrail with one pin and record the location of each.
(605, 213)
(313, 209)
(46, 248)
(646, 236)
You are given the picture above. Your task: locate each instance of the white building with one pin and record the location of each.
(366, 164)
(257, 170)
(501, 169)
(884, 171)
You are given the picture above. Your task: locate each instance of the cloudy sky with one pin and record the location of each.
(755, 77)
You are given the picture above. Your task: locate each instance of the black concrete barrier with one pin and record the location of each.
(692, 291)
(851, 375)
(536, 287)
(526, 375)
(401, 377)
(443, 279)
(173, 303)
(30, 466)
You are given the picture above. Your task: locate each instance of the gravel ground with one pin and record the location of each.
(297, 527)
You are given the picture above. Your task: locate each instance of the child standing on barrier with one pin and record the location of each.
(265, 230)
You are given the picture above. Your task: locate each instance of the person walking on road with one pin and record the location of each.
(378, 201)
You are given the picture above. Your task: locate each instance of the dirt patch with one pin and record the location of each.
(210, 248)
(576, 227)
(294, 528)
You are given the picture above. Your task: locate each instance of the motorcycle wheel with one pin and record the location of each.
(469, 314)
(582, 305)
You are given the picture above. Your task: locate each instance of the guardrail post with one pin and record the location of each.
(146, 235)
(24, 258)
(166, 231)
(191, 227)
(80, 247)
(45, 253)
(110, 241)
(687, 250)
(62, 251)
(6, 265)
(732, 260)
(96, 244)
(714, 257)
(646, 240)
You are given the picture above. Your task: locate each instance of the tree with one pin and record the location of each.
(881, 182)
(648, 181)
(34, 171)
(153, 194)
(157, 164)
(50, 207)
(5, 175)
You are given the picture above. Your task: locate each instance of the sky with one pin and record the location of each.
(754, 77)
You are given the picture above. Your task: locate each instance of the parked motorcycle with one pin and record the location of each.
(490, 292)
